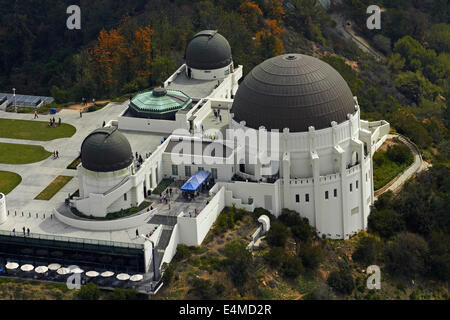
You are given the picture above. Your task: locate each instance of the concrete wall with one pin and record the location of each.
(3, 214)
(192, 231)
(154, 125)
(113, 225)
(171, 248)
(209, 74)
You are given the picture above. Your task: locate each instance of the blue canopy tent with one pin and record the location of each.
(196, 181)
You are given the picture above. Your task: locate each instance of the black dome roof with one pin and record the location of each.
(293, 91)
(208, 50)
(105, 150)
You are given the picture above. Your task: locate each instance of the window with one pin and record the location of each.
(335, 193)
(357, 184)
(297, 198)
(307, 197)
(124, 197)
(351, 187)
(187, 171)
(326, 195)
(214, 173)
(174, 170)
(201, 168)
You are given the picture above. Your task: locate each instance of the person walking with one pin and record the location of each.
(81, 113)
(57, 154)
(35, 114)
(59, 122)
(28, 231)
(137, 233)
(23, 230)
(104, 123)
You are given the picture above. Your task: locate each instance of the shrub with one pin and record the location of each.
(400, 154)
(277, 235)
(124, 294)
(238, 262)
(341, 281)
(367, 251)
(89, 291)
(183, 252)
(206, 289)
(169, 274)
(275, 257)
(311, 256)
(407, 255)
(385, 223)
(292, 267)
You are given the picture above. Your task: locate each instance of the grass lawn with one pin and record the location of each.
(8, 181)
(11, 153)
(385, 169)
(34, 130)
(74, 164)
(53, 188)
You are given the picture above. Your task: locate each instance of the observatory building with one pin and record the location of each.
(319, 152)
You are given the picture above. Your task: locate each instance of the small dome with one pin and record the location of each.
(293, 91)
(106, 150)
(208, 50)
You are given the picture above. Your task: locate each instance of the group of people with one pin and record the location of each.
(53, 122)
(217, 115)
(25, 231)
(166, 197)
(55, 154)
(84, 101)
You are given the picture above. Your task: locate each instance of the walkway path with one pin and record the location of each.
(36, 176)
(418, 166)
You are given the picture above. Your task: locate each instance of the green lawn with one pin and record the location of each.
(11, 153)
(34, 130)
(8, 181)
(385, 168)
(53, 188)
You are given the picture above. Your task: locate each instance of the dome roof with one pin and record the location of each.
(293, 91)
(208, 50)
(106, 150)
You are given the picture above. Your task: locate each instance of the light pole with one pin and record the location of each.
(14, 95)
(156, 273)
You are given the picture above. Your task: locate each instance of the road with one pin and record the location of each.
(349, 33)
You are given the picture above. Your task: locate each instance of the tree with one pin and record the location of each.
(399, 153)
(238, 262)
(275, 10)
(368, 251)
(162, 68)
(89, 291)
(386, 223)
(415, 86)
(277, 235)
(438, 37)
(206, 289)
(275, 257)
(341, 281)
(407, 255)
(250, 13)
(292, 267)
(382, 43)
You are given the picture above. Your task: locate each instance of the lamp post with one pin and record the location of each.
(14, 95)
(156, 273)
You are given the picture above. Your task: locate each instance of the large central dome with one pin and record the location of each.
(293, 91)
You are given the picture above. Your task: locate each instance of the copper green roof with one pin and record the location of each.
(160, 101)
